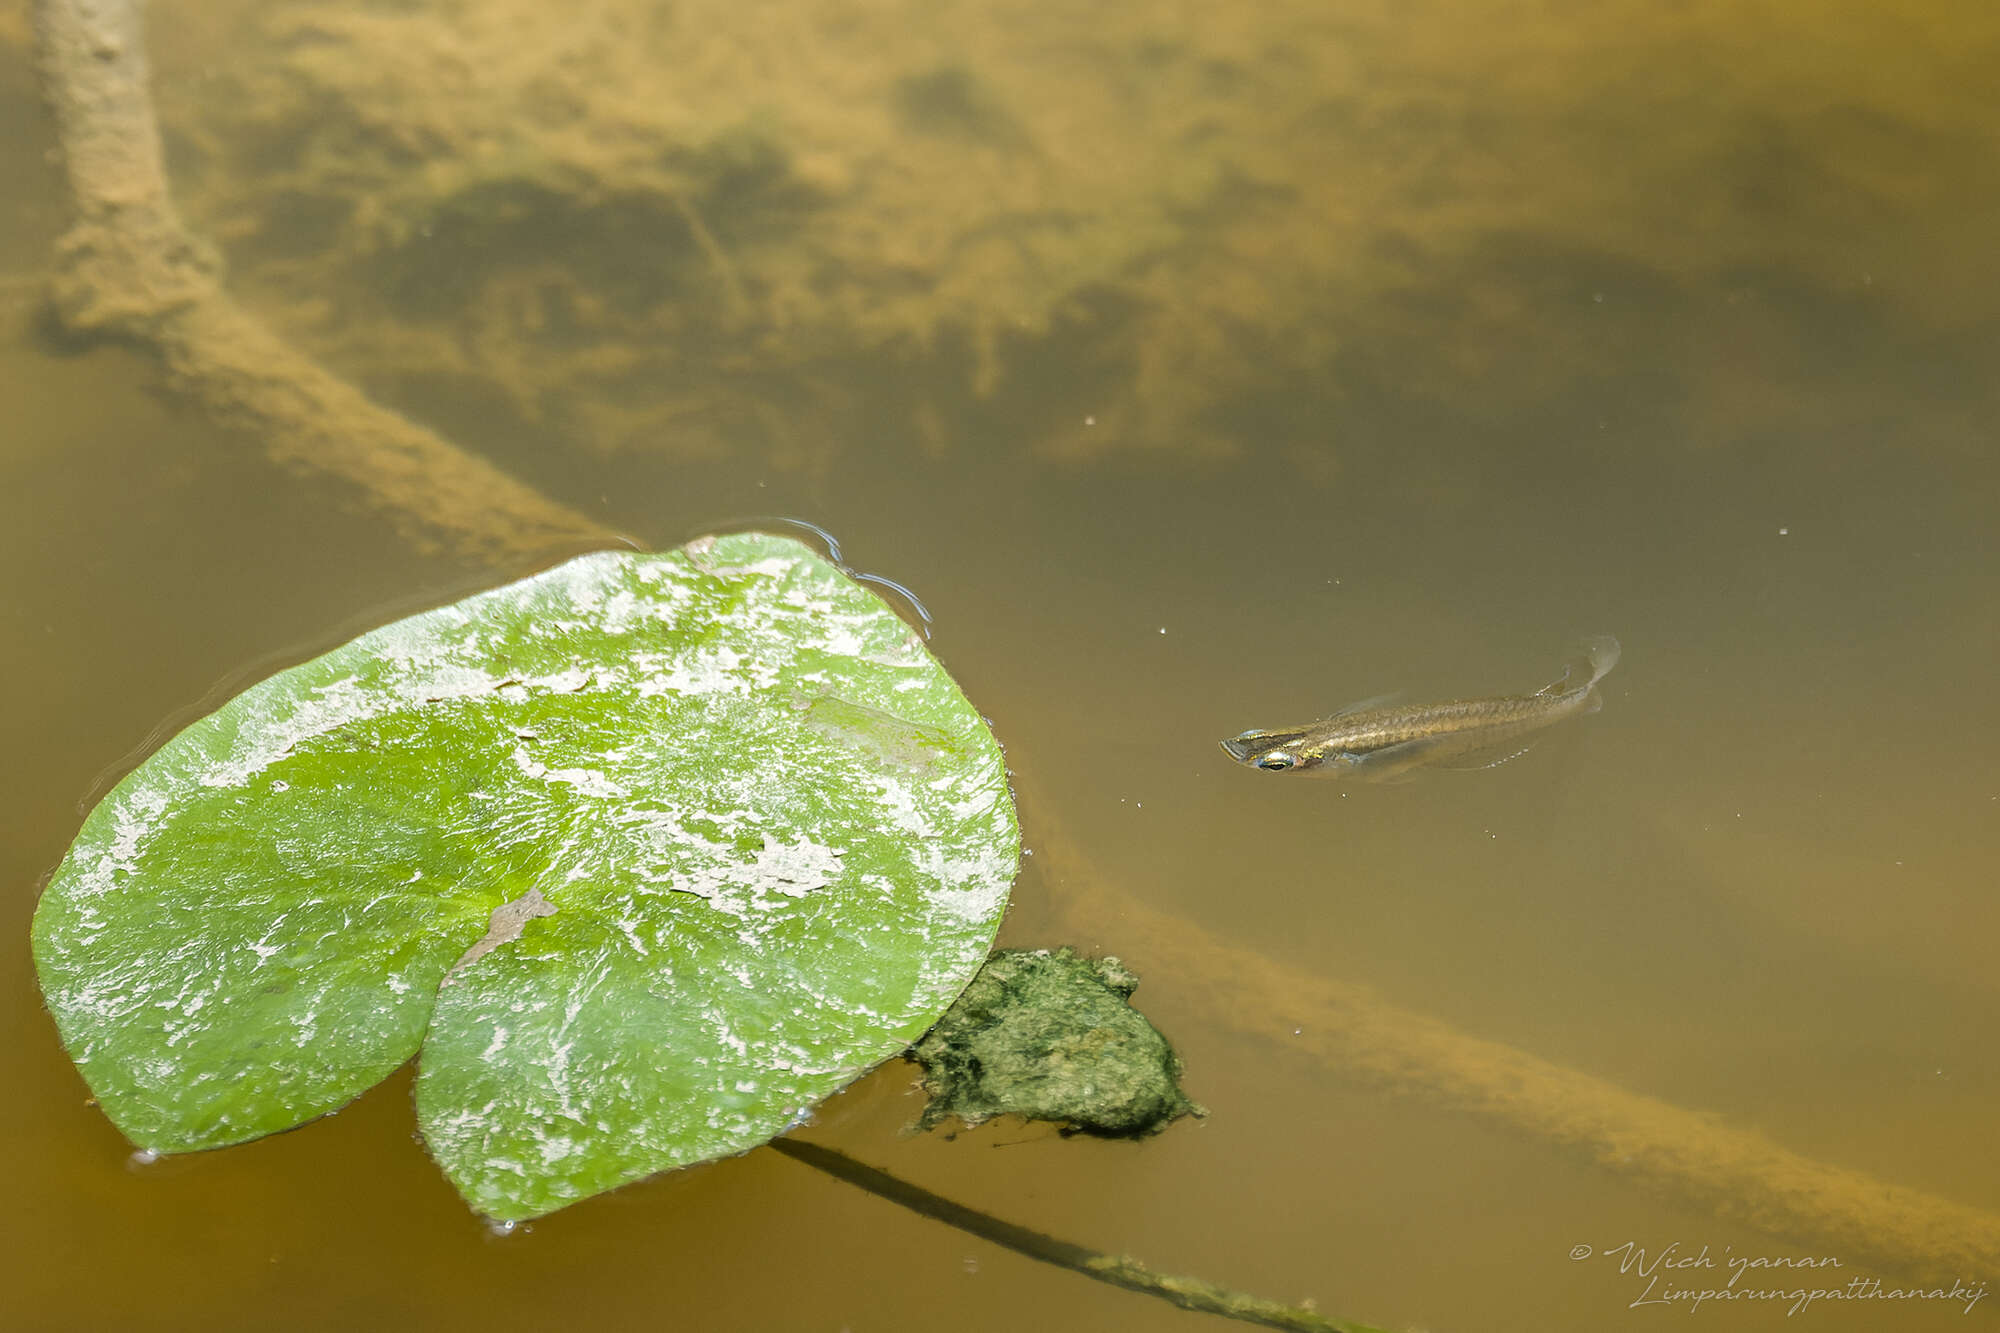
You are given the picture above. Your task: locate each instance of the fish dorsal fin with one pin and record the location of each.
(1377, 701)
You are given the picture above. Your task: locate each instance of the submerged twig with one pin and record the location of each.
(1119, 1270)
(1349, 1027)
(129, 268)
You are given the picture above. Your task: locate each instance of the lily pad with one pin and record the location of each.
(647, 854)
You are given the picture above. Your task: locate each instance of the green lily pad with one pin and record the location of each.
(648, 854)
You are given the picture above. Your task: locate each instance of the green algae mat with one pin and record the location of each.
(640, 858)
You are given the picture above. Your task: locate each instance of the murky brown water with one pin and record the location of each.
(1681, 326)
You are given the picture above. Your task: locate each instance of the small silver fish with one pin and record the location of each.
(1379, 741)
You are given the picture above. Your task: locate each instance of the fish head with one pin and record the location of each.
(1290, 751)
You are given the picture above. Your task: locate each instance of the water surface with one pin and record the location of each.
(1489, 343)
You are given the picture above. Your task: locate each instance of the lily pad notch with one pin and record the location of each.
(642, 857)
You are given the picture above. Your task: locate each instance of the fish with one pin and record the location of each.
(1377, 740)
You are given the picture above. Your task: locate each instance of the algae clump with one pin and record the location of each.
(1050, 1036)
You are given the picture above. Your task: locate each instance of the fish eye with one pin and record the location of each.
(1277, 761)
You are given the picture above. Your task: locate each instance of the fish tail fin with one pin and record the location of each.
(1600, 652)
(1596, 655)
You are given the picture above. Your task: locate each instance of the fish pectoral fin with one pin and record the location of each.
(1401, 761)
(1395, 763)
